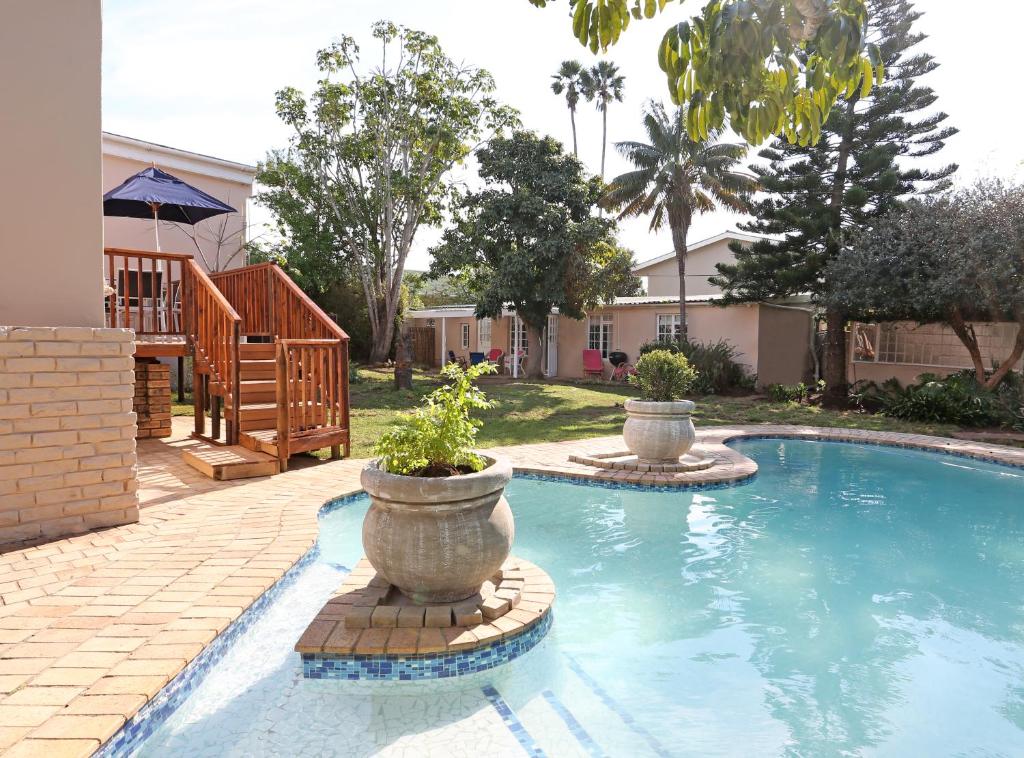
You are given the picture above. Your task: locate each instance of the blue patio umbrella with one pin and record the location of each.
(155, 194)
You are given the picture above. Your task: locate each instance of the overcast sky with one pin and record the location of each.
(201, 75)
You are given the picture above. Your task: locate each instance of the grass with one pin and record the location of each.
(550, 411)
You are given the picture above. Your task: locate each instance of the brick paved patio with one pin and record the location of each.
(93, 626)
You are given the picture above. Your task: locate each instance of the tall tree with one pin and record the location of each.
(772, 66)
(862, 167)
(382, 143)
(569, 80)
(604, 84)
(530, 237)
(676, 177)
(952, 260)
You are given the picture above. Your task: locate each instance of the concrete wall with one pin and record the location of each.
(51, 235)
(663, 278)
(221, 237)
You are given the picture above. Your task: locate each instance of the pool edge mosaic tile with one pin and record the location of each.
(383, 668)
(155, 712)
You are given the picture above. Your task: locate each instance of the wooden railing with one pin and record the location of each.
(147, 292)
(312, 356)
(214, 328)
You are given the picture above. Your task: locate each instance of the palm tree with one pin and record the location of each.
(676, 177)
(603, 83)
(569, 80)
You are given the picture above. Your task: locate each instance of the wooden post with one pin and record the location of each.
(198, 402)
(283, 405)
(181, 379)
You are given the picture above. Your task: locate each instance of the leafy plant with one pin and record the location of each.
(715, 363)
(788, 393)
(663, 375)
(437, 438)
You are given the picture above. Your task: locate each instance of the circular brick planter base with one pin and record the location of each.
(369, 630)
(626, 461)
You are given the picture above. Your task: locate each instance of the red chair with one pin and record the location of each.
(497, 357)
(593, 365)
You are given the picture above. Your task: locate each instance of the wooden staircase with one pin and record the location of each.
(270, 370)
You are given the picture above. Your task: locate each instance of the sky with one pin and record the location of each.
(201, 75)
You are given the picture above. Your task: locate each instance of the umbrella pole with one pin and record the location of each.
(156, 223)
(158, 296)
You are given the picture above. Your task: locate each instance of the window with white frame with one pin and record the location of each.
(465, 336)
(483, 335)
(599, 333)
(668, 327)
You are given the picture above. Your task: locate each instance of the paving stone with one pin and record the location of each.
(411, 616)
(385, 616)
(359, 617)
(437, 616)
(494, 606)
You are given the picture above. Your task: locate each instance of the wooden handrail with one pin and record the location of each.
(146, 254)
(147, 291)
(214, 328)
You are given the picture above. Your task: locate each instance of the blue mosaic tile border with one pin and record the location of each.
(154, 713)
(688, 486)
(402, 668)
(575, 727)
(509, 718)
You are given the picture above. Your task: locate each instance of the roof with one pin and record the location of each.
(443, 311)
(174, 158)
(726, 235)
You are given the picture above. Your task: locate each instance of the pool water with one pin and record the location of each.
(849, 600)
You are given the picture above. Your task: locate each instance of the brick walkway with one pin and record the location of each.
(93, 626)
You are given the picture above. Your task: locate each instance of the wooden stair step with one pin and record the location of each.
(257, 390)
(260, 440)
(257, 350)
(224, 462)
(253, 370)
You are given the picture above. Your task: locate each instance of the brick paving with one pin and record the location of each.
(94, 625)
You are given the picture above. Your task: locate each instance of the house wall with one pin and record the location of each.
(663, 278)
(905, 350)
(635, 325)
(67, 430)
(784, 355)
(137, 234)
(51, 236)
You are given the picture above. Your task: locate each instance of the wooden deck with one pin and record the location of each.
(266, 359)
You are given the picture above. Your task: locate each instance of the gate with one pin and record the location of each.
(423, 350)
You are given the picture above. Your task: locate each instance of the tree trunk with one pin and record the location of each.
(835, 360)
(680, 226)
(836, 387)
(534, 351)
(403, 360)
(604, 135)
(572, 120)
(382, 336)
(965, 333)
(1007, 366)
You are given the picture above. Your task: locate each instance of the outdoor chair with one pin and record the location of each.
(520, 362)
(475, 358)
(593, 365)
(497, 357)
(452, 358)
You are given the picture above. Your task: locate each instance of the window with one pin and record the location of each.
(483, 335)
(600, 334)
(465, 336)
(668, 327)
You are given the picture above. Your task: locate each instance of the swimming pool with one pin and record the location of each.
(848, 600)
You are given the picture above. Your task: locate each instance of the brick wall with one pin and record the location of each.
(67, 431)
(152, 403)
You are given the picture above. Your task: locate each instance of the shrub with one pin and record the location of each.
(437, 438)
(955, 399)
(663, 375)
(715, 363)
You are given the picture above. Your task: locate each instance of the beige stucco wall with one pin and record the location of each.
(51, 233)
(663, 278)
(227, 230)
(784, 355)
(635, 325)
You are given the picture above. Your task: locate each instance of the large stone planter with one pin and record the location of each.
(438, 538)
(658, 432)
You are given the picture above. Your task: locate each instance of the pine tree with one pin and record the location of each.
(862, 167)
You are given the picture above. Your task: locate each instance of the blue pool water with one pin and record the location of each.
(849, 600)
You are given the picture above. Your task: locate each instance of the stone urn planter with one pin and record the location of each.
(658, 432)
(437, 539)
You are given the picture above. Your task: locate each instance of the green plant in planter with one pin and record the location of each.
(437, 438)
(663, 375)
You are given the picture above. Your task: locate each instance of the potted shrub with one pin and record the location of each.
(438, 524)
(658, 427)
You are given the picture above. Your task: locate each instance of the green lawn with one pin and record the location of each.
(550, 411)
